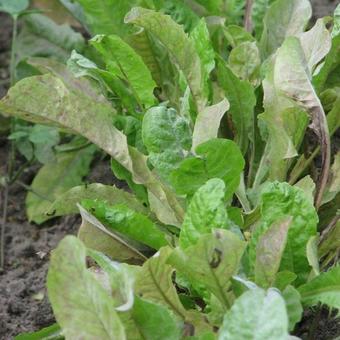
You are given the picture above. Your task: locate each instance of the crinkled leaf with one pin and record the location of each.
(208, 122)
(122, 219)
(95, 236)
(211, 261)
(84, 309)
(269, 250)
(266, 317)
(177, 44)
(242, 101)
(54, 179)
(67, 203)
(325, 288)
(163, 129)
(124, 62)
(217, 158)
(280, 200)
(284, 18)
(293, 304)
(206, 211)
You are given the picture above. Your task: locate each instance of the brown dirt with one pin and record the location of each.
(24, 306)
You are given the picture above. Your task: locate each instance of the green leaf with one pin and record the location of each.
(208, 122)
(269, 250)
(245, 61)
(124, 62)
(283, 279)
(237, 35)
(154, 283)
(211, 261)
(13, 7)
(242, 101)
(259, 10)
(126, 221)
(284, 18)
(95, 236)
(106, 16)
(336, 22)
(206, 211)
(325, 288)
(54, 179)
(278, 201)
(293, 305)
(48, 333)
(66, 203)
(217, 158)
(312, 254)
(85, 309)
(201, 39)
(178, 44)
(333, 186)
(265, 314)
(329, 70)
(42, 37)
(154, 321)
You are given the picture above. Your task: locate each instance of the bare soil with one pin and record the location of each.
(24, 305)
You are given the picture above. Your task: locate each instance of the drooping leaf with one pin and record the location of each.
(116, 278)
(205, 212)
(42, 37)
(126, 221)
(211, 261)
(293, 304)
(54, 179)
(217, 158)
(154, 283)
(84, 309)
(66, 203)
(177, 44)
(269, 250)
(325, 288)
(95, 236)
(266, 317)
(278, 201)
(124, 62)
(294, 81)
(284, 18)
(208, 122)
(242, 102)
(316, 44)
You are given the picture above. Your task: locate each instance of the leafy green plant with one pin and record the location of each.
(207, 123)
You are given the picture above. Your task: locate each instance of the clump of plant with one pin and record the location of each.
(226, 232)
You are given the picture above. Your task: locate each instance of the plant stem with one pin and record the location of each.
(13, 51)
(248, 25)
(3, 225)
